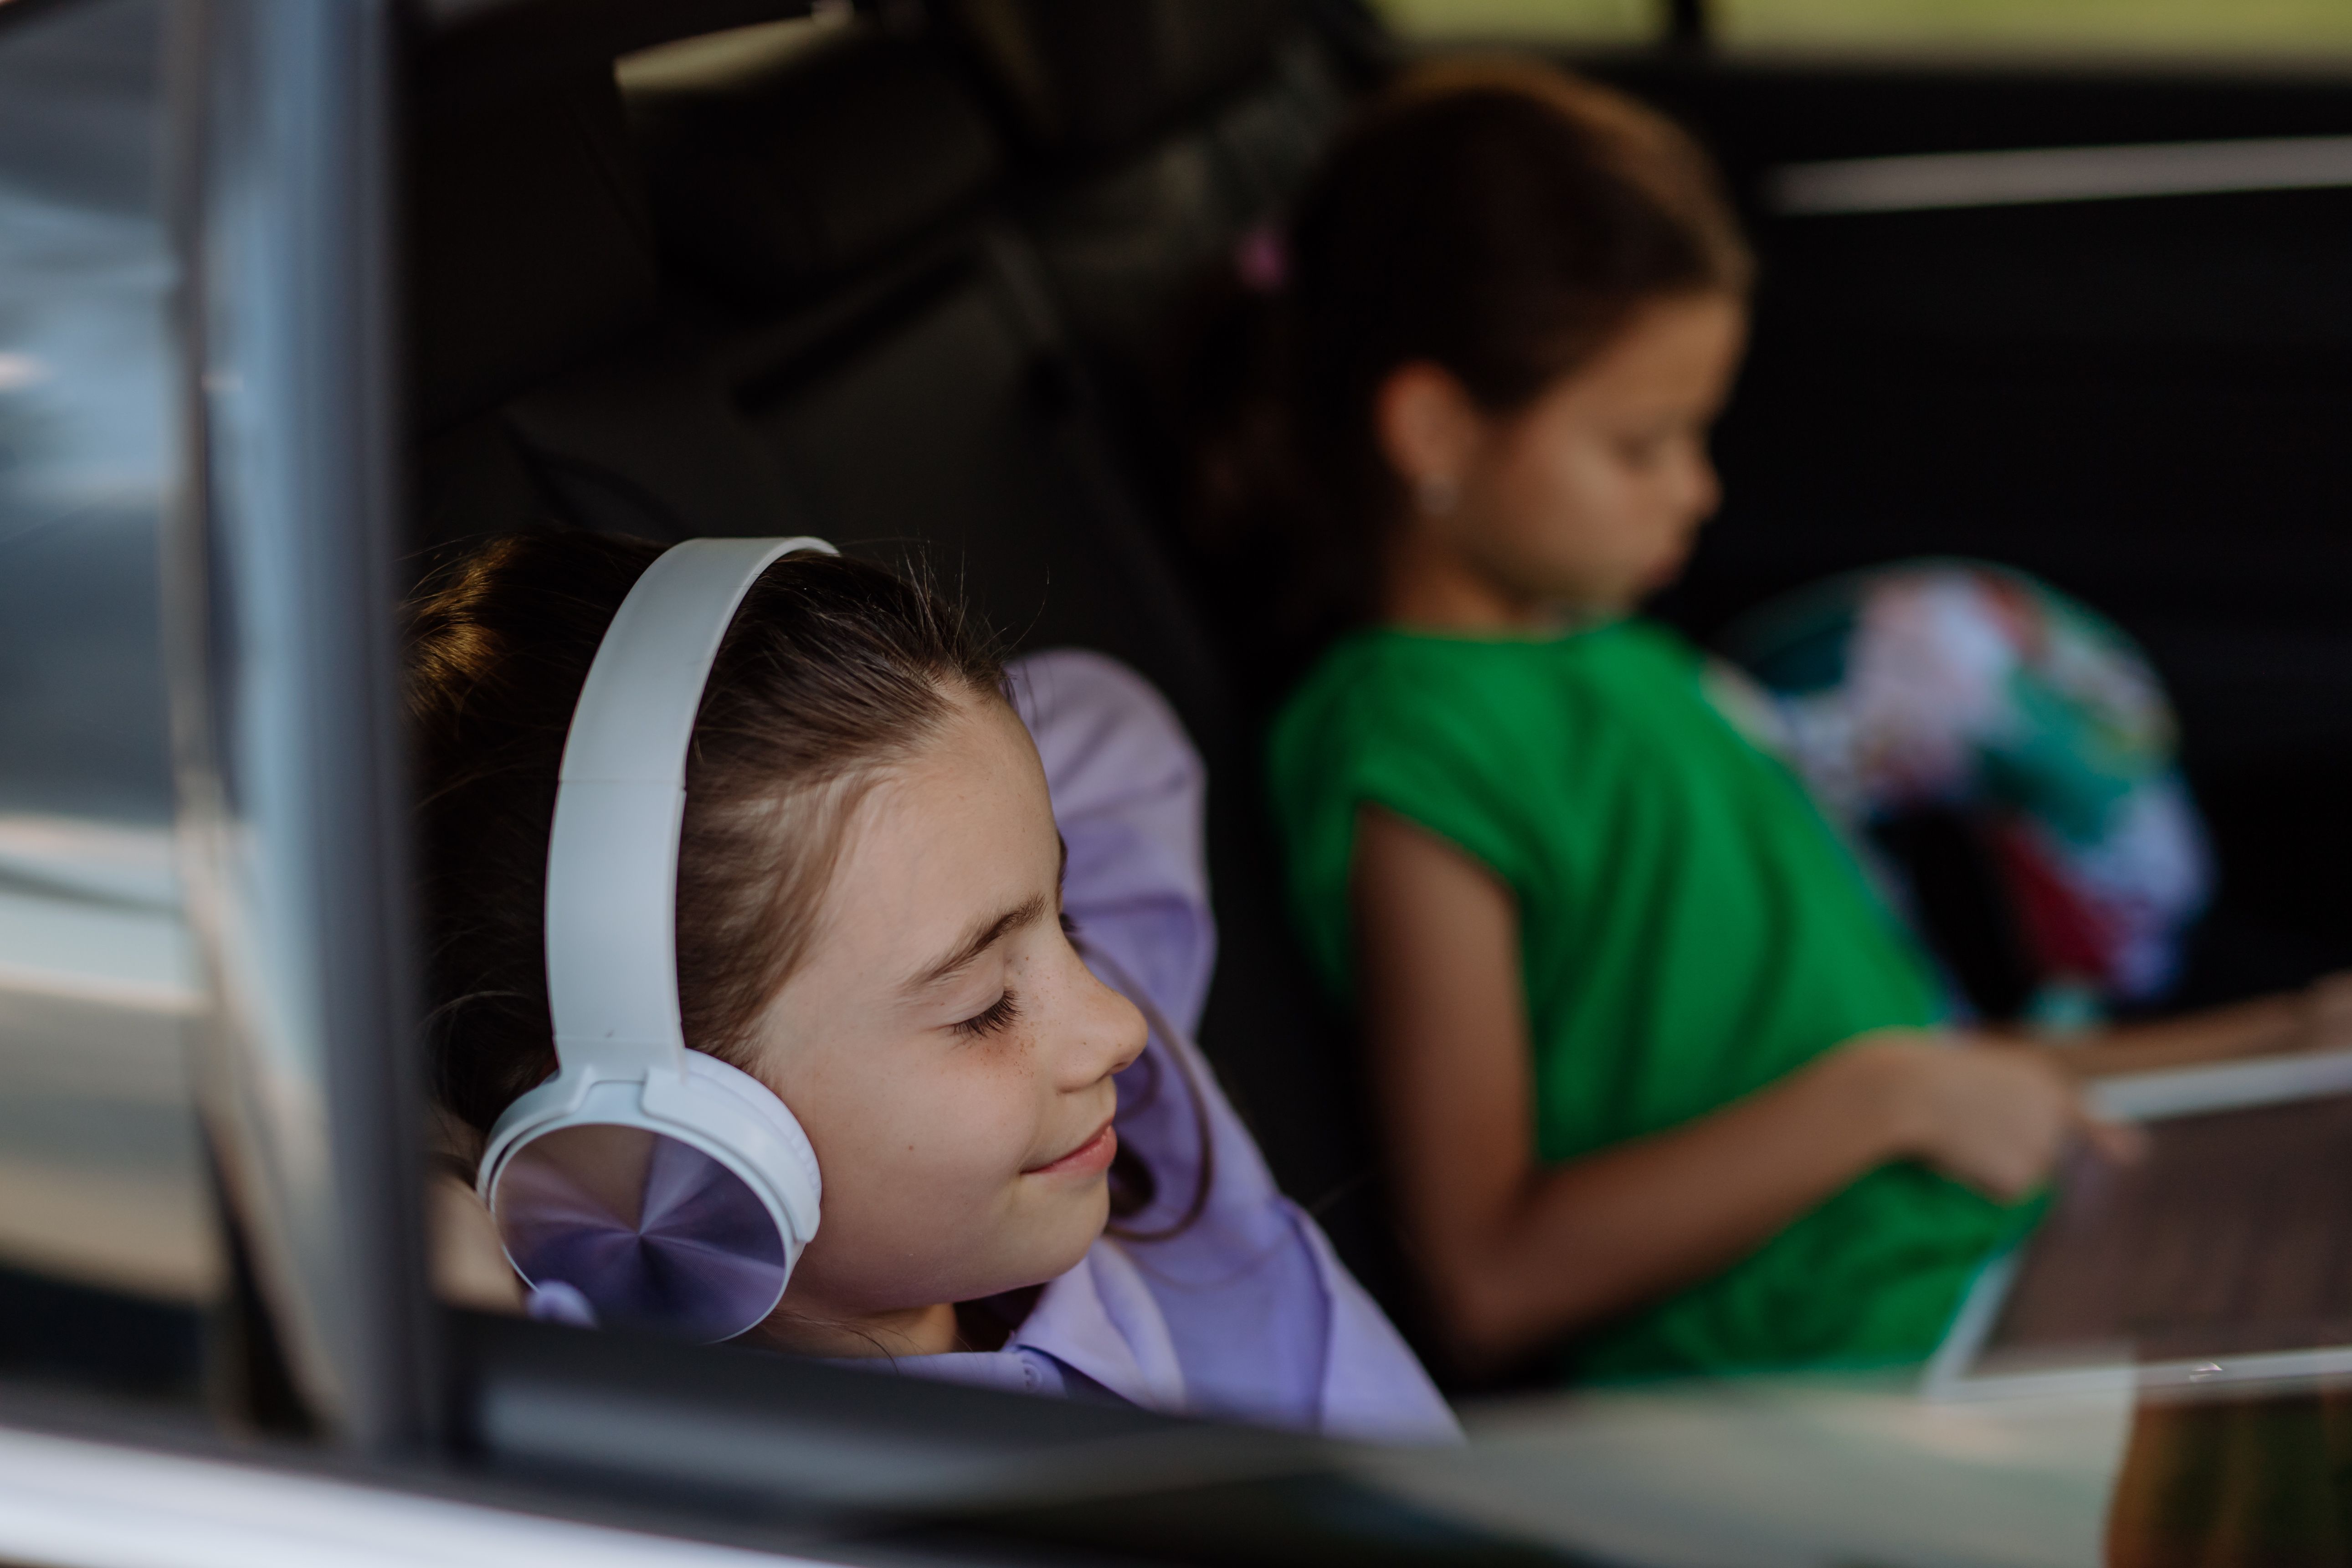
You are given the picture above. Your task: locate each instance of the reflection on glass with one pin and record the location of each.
(1577, 21)
(2194, 27)
(653, 1233)
(692, 62)
(98, 1151)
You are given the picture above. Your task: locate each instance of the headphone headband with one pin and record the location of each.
(611, 861)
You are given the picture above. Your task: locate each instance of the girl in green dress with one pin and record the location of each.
(1662, 1075)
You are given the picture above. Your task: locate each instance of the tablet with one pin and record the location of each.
(2224, 1258)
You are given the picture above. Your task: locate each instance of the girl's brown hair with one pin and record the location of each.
(1498, 218)
(833, 671)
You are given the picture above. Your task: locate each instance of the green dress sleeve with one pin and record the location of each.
(1372, 728)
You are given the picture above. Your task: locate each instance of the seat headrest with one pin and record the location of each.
(786, 168)
(529, 245)
(1087, 78)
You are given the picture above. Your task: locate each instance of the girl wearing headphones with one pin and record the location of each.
(748, 901)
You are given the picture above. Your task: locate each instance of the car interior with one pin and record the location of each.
(905, 277)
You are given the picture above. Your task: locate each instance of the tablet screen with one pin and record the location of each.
(2233, 1237)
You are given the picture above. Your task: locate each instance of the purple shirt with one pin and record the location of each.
(1246, 1312)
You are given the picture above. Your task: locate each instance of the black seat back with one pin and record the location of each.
(885, 338)
(550, 383)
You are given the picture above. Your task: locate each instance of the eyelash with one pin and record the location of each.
(997, 1018)
(1002, 1013)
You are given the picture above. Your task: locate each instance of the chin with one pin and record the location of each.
(1059, 1249)
(1669, 568)
(1040, 1248)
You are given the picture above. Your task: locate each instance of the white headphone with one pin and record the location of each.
(651, 1184)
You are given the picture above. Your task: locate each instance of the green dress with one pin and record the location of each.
(1691, 929)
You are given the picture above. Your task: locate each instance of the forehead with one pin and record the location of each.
(1675, 340)
(964, 822)
(1669, 354)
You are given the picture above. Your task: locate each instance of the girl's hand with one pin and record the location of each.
(1992, 1115)
(2328, 1013)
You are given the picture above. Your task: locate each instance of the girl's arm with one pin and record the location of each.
(1517, 1253)
(2318, 1017)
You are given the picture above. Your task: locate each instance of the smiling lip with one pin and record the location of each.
(1090, 1158)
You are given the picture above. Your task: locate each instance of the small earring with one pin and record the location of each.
(1437, 494)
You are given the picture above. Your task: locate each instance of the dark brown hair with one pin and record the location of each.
(1496, 217)
(833, 671)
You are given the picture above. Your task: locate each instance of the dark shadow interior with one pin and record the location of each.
(896, 280)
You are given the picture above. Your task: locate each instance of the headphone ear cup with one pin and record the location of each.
(762, 1102)
(675, 1206)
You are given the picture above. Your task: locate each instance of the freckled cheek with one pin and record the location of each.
(950, 1145)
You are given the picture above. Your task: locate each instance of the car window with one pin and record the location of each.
(2195, 29)
(859, 341)
(934, 335)
(105, 1237)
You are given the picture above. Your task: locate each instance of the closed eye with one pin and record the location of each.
(998, 1017)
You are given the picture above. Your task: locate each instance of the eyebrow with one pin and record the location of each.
(983, 935)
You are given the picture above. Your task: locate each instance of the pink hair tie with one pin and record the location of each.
(1261, 261)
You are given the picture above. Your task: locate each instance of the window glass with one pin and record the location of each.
(1755, 1468)
(105, 1241)
(1575, 21)
(2194, 27)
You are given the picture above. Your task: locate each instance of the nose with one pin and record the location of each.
(1107, 1033)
